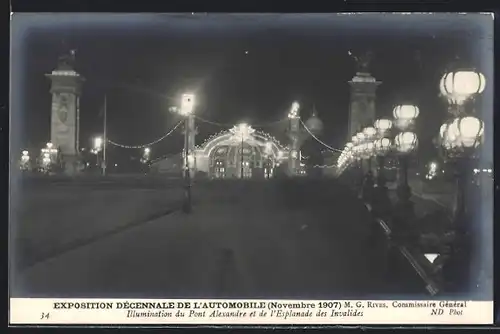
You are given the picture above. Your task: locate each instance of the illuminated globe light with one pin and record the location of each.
(360, 137)
(97, 143)
(242, 131)
(187, 104)
(25, 156)
(314, 125)
(294, 112)
(50, 145)
(383, 145)
(469, 130)
(383, 125)
(461, 85)
(405, 114)
(406, 142)
(369, 132)
(349, 145)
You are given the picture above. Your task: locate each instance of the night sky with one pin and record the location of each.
(144, 62)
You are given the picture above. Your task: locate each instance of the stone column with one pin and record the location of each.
(65, 114)
(362, 105)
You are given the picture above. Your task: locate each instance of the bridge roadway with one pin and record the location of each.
(271, 239)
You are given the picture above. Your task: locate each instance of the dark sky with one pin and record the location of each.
(143, 62)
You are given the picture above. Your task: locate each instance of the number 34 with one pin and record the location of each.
(44, 316)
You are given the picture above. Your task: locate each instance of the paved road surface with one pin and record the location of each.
(243, 239)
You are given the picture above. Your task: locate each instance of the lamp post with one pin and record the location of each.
(49, 157)
(405, 143)
(97, 148)
(382, 147)
(25, 160)
(360, 139)
(382, 203)
(268, 152)
(146, 155)
(368, 150)
(294, 134)
(459, 137)
(186, 110)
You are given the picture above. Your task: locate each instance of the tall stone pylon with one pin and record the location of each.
(65, 112)
(363, 96)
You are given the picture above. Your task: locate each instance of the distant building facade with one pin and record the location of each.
(225, 156)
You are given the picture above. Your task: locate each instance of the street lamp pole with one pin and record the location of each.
(405, 143)
(241, 157)
(187, 174)
(186, 110)
(105, 138)
(460, 137)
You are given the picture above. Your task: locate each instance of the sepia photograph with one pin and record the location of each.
(330, 156)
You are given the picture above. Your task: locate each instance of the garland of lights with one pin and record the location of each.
(224, 132)
(162, 158)
(149, 144)
(319, 141)
(325, 166)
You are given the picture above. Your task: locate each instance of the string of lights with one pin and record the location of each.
(319, 141)
(161, 158)
(148, 144)
(325, 166)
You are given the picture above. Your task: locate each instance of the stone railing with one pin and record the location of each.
(411, 264)
(404, 263)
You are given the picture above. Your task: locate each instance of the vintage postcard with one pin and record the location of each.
(222, 169)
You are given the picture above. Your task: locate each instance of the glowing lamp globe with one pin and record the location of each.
(406, 112)
(354, 139)
(349, 145)
(383, 145)
(360, 136)
(187, 104)
(459, 86)
(314, 124)
(406, 142)
(369, 132)
(294, 112)
(383, 125)
(470, 131)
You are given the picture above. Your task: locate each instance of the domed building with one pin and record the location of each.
(240, 152)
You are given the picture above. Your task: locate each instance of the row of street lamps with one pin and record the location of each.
(457, 141)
